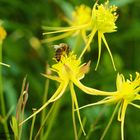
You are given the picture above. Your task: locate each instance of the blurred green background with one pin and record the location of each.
(23, 21)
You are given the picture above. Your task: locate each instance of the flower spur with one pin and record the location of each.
(127, 92)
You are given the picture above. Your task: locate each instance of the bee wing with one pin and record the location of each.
(56, 47)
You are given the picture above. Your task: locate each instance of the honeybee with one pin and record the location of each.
(61, 50)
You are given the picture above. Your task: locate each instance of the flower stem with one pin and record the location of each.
(2, 96)
(32, 126)
(93, 126)
(110, 121)
(52, 118)
(44, 100)
(80, 130)
(44, 122)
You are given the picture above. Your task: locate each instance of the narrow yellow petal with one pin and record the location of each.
(74, 122)
(119, 80)
(74, 98)
(89, 90)
(122, 118)
(52, 77)
(94, 9)
(85, 38)
(106, 100)
(135, 105)
(54, 28)
(58, 37)
(99, 49)
(119, 112)
(62, 28)
(105, 42)
(88, 42)
(58, 91)
(66, 29)
(84, 69)
(61, 93)
(137, 97)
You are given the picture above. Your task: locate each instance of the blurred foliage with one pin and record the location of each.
(23, 50)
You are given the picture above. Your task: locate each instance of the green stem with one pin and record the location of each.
(32, 126)
(93, 126)
(44, 110)
(80, 130)
(52, 119)
(45, 121)
(2, 97)
(110, 121)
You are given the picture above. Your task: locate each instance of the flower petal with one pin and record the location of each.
(52, 77)
(74, 122)
(119, 112)
(64, 86)
(135, 105)
(65, 29)
(125, 104)
(104, 101)
(74, 98)
(58, 91)
(137, 96)
(84, 69)
(58, 37)
(88, 42)
(99, 49)
(105, 42)
(89, 90)
(119, 80)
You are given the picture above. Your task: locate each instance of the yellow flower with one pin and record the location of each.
(2, 34)
(104, 17)
(127, 92)
(69, 72)
(103, 21)
(78, 24)
(81, 16)
(100, 19)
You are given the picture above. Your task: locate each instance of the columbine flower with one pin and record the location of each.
(127, 92)
(100, 19)
(69, 72)
(78, 24)
(103, 21)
